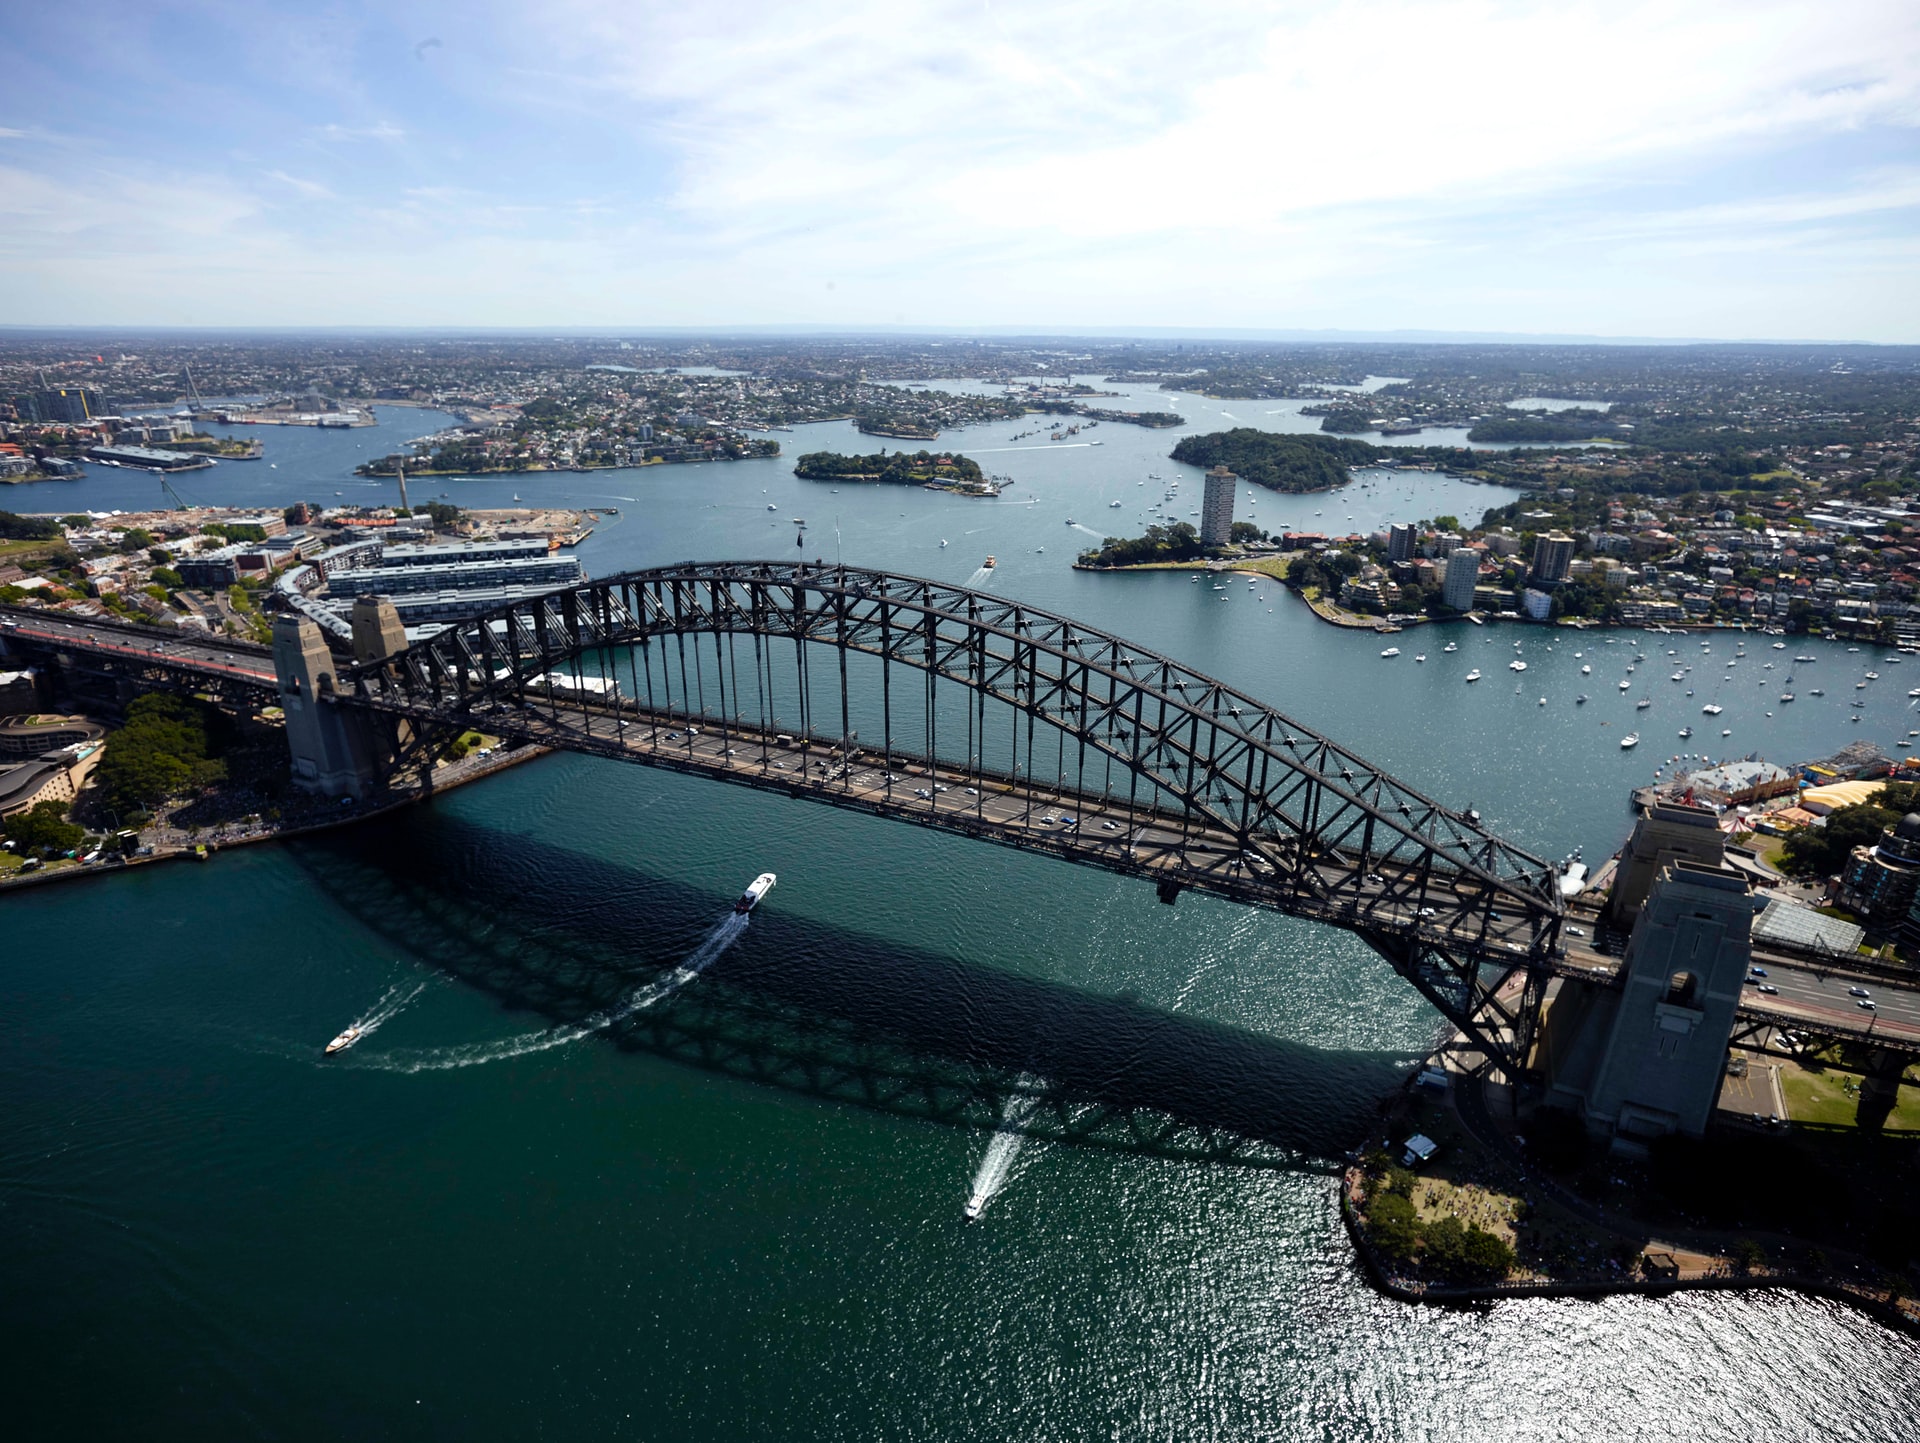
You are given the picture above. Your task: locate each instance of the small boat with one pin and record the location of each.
(1873, 676)
(1726, 731)
(1071, 521)
(1642, 704)
(1391, 651)
(1685, 732)
(943, 543)
(1786, 696)
(345, 1040)
(1712, 709)
(1580, 700)
(772, 507)
(1421, 657)
(1543, 701)
(1516, 666)
(1816, 692)
(1629, 741)
(756, 889)
(1474, 675)
(1451, 647)
(1586, 671)
(989, 566)
(1626, 686)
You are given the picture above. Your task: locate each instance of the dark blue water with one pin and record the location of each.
(545, 1200)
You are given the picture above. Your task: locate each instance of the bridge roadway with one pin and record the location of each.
(1085, 827)
(212, 656)
(1105, 832)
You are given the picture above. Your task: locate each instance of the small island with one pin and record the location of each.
(941, 471)
(1279, 463)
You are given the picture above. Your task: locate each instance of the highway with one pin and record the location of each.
(211, 655)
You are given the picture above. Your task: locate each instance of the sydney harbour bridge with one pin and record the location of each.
(954, 709)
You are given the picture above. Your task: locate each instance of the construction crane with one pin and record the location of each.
(179, 502)
(193, 390)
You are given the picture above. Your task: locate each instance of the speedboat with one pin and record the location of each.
(1451, 646)
(975, 1206)
(1391, 651)
(756, 889)
(1474, 675)
(345, 1040)
(1630, 740)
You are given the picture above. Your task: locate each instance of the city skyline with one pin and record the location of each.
(1727, 172)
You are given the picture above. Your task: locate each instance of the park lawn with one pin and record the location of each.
(1822, 1098)
(9, 862)
(1274, 566)
(28, 549)
(1767, 849)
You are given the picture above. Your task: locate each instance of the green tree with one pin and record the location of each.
(1393, 1227)
(1823, 851)
(44, 828)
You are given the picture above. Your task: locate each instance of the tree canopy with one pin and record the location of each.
(1279, 463)
(163, 749)
(1178, 542)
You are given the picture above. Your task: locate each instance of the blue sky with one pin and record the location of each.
(1733, 170)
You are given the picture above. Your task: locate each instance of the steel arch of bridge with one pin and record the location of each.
(1223, 793)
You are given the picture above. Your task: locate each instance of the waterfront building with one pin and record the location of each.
(1400, 541)
(1552, 558)
(1737, 784)
(1463, 574)
(1216, 509)
(538, 571)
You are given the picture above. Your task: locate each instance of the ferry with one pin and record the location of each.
(988, 566)
(1474, 675)
(345, 1040)
(756, 889)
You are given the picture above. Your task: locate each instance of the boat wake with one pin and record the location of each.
(474, 1054)
(1089, 530)
(980, 580)
(392, 1002)
(996, 1166)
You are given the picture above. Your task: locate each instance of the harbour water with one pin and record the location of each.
(646, 1221)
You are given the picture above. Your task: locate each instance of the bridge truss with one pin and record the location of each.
(960, 710)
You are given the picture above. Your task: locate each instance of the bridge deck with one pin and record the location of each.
(1085, 827)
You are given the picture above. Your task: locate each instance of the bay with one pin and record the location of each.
(497, 1217)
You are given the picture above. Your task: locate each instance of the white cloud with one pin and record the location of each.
(383, 130)
(312, 189)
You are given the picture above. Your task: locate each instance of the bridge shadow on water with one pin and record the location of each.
(837, 1014)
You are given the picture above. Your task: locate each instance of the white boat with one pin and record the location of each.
(1474, 675)
(1580, 700)
(345, 1040)
(772, 507)
(756, 889)
(1642, 704)
(1391, 651)
(1516, 666)
(1685, 732)
(1786, 696)
(1421, 657)
(1586, 671)
(1712, 709)
(943, 543)
(1451, 646)
(1626, 686)
(1630, 740)
(1573, 878)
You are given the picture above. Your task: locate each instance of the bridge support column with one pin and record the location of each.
(336, 752)
(1880, 1087)
(1646, 1058)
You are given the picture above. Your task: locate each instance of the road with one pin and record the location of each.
(213, 656)
(1460, 912)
